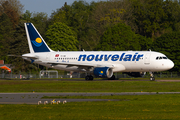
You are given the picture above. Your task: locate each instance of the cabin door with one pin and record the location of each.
(147, 59)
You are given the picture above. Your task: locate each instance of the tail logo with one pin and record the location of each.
(38, 42)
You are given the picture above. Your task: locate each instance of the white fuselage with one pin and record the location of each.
(119, 61)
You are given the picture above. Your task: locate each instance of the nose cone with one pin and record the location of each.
(164, 65)
(170, 64)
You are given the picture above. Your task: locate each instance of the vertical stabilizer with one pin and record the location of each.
(35, 41)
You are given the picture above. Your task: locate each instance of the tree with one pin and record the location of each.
(120, 37)
(27, 16)
(12, 8)
(1, 45)
(105, 15)
(6, 29)
(155, 17)
(169, 45)
(10, 12)
(75, 16)
(144, 42)
(40, 20)
(61, 37)
(20, 46)
(15, 5)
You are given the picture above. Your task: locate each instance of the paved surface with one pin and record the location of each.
(33, 98)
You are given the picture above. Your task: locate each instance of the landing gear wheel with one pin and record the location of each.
(112, 78)
(152, 78)
(89, 77)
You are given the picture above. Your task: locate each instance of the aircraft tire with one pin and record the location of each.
(152, 79)
(89, 77)
(112, 78)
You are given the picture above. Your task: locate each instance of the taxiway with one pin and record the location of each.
(33, 98)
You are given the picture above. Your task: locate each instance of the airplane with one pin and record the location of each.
(98, 63)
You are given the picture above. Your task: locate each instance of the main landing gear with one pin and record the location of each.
(152, 78)
(89, 77)
(112, 78)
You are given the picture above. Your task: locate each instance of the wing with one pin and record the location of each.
(89, 66)
(80, 64)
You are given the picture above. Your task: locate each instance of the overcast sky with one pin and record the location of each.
(47, 6)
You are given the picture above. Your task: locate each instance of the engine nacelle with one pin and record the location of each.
(104, 72)
(136, 74)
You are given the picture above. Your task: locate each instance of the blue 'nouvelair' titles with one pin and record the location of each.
(115, 57)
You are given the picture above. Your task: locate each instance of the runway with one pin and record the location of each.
(33, 98)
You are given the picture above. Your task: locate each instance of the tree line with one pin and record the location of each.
(112, 25)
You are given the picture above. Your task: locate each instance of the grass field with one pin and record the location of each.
(132, 107)
(87, 86)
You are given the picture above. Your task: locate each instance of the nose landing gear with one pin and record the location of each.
(152, 78)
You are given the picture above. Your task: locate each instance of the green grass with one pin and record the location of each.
(133, 107)
(87, 86)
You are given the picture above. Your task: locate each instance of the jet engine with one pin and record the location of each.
(104, 72)
(136, 74)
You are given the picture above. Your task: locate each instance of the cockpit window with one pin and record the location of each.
(161, 57)
(164, 57)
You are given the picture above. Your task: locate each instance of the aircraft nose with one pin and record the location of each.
(170, 64)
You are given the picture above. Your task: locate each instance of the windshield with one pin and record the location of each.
(161, 57)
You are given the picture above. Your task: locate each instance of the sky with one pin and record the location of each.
(47, 6)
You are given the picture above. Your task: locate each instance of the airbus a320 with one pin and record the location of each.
(96, 63)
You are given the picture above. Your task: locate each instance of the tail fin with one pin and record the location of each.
(35, 41)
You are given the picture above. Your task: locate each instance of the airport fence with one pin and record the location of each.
(50, 75)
